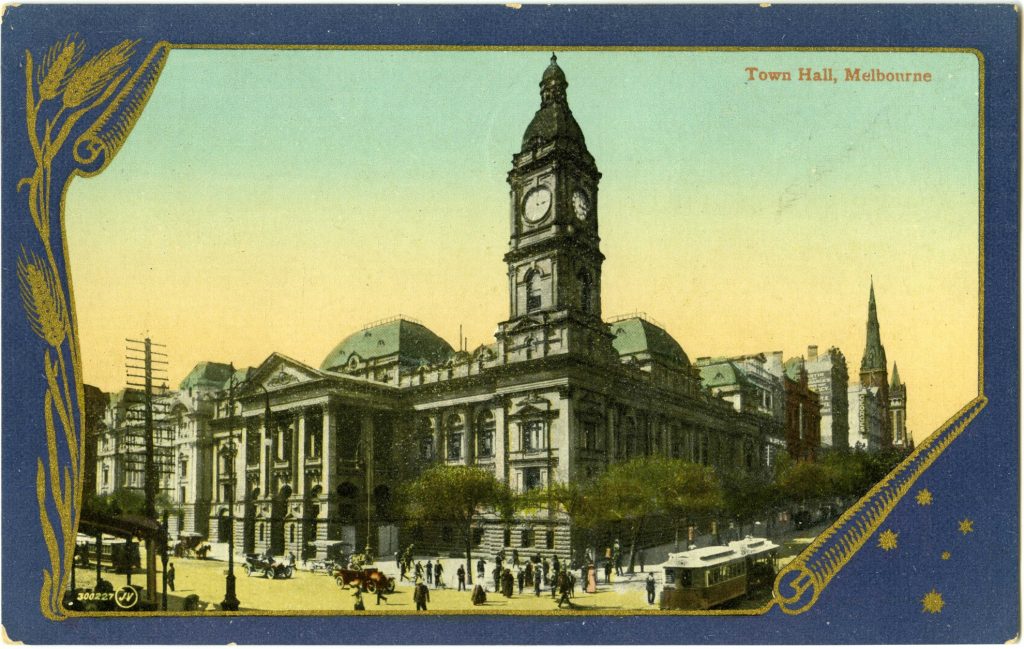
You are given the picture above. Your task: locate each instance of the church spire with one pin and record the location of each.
(874, 352)
(896, 383)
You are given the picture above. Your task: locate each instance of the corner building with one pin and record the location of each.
(559, 396)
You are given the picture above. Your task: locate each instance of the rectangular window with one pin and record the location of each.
(507, 538)
(478, 536)
(455, 446)
(485, 444)
(181, 494)
(526, 538)
(427, 448)
(589, 432)
(550, 539)
(533, 436)
(531, 478)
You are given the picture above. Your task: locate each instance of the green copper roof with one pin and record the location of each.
(414, 344)
(554, 120)
(895, 383)
(719, 374)
(207, 374)
(793, 367)
(874, 351)
(636, 335)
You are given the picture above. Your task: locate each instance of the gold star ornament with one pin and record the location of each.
(887, 540)
(946, 555)
(932, 602)
(966, 526)
(924, 497)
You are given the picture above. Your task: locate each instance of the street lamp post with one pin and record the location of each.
(229, 452)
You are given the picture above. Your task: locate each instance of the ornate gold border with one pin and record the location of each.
(83, 87)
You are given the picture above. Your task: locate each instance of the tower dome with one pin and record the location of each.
(554, 121)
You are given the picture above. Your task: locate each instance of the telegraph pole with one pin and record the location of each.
(150, 473)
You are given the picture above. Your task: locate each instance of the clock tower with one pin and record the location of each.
(554, 257)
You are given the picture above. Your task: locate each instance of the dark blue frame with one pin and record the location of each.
(874, 599)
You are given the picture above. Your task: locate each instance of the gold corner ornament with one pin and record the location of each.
(63, 90)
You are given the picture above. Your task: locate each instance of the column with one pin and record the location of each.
(299, 468)
(264, 478)
(501, 442)
(468, 435)
(438, 437)
(328, 465)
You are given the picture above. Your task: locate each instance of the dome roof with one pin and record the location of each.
(207, 375)
(723, 373)
(554, 120)
(414, 344)
(636, 336)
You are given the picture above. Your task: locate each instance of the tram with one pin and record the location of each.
(705, 577)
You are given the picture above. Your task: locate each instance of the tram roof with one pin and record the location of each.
(718, 554)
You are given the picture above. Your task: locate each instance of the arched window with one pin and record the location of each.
(586, 285)
(533, 301)
(485, 434)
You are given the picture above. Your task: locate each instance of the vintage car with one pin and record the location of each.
(368, 578)
(259, 565)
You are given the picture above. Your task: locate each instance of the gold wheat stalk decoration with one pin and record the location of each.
(59, 92)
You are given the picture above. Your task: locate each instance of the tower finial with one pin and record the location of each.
(554, 59)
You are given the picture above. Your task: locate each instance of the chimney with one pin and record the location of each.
(777, 357)
(812, 352)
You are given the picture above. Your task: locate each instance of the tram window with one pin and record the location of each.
(670, 576)
(686, 578)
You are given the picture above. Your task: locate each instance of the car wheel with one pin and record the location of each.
(371, 585)
(288, 572)
(391, 585)
(340, 581)
(248, 571)
(268, 573)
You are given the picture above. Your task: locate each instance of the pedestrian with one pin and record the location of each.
(291, 558)
(430, 572)
(515, 558)
(529, 573)
(170, 576)
(421, 595)
(572, 583)
(547, 569)
(556, 580)
(358, 595)
(642, 558)
(564, 588)
(556, 565)
(438, 572)
(479, 595)
(418, 571)
(521, 578)
(461, 573)
(398, 560)
(537, 577)
(607, 571)
(650, 588)
(497, 579)
(481, 566)
(507, 583)
(583, 574)
(380, 594)
(498, 560)
(405, 570)
(591, 579)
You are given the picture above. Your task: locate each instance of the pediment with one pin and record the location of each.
(525, 323)
(279, 371)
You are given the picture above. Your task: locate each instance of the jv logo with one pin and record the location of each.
(126, 597)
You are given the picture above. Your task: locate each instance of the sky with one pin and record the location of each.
(277, 201)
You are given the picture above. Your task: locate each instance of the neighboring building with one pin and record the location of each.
(867, 418)
(874, 374)
(121, 443)
(803, 412)
(827, 375)
(95, 407)
(746, 383)
(898, 411)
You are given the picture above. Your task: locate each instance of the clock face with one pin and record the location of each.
(537, 204)
(580, 204)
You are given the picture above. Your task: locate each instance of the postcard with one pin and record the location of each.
(516, 324)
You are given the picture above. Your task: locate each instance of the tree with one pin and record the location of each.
(805, 482)
(747, 496)
(573, 499)
(631, 492)
(457, 495)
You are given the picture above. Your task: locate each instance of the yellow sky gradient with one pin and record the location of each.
(253, 212)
